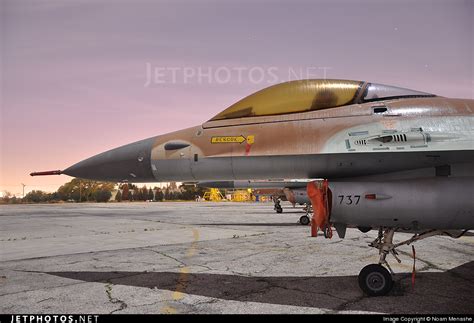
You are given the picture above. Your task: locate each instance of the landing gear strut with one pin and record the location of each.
(375, 279)
(306, 219)
(277, 206)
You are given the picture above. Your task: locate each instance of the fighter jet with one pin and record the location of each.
(391, 158)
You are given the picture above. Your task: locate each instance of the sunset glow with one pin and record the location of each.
(76, 75)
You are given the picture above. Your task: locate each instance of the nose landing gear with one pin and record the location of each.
(375, 279)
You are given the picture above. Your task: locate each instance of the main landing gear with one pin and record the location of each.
(277, 207)
(375, 279)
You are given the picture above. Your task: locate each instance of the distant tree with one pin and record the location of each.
(118, 196)
(150, 194)
(125, 193)
(132, 186)
(33, 196)
(190, 192)
(102, 195)
(6, 195)
(75, 195)
(36, 196)
(54, 196)
(143, 194)
(159, 195)
(167, 193)
(83, 190)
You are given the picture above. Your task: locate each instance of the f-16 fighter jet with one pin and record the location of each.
(391, 158)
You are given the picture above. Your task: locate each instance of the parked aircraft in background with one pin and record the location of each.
(293, 191)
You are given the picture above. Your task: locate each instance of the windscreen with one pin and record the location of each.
(376, 92)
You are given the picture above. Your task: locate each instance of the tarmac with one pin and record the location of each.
(204, 257)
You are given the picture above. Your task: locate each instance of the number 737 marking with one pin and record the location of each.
(350, 199)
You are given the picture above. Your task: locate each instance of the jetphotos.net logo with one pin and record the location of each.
(51, 318)
(159, 75)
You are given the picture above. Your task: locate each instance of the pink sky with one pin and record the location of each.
(73, 73)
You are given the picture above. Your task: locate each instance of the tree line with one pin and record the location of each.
(78, 190)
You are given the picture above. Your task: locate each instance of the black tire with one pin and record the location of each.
(279, 209)
(327, 231)
(364, 229)
(375, 280)
(304, 220)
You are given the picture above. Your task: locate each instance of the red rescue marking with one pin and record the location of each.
(247, 149)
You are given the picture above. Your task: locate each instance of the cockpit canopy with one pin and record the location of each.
(310, 95)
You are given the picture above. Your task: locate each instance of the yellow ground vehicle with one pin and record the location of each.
(213, 195)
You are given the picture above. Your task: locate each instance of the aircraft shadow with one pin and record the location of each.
(435, 292)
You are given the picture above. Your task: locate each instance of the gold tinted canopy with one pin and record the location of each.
(310, 95)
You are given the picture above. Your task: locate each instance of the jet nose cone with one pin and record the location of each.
(127, 163)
